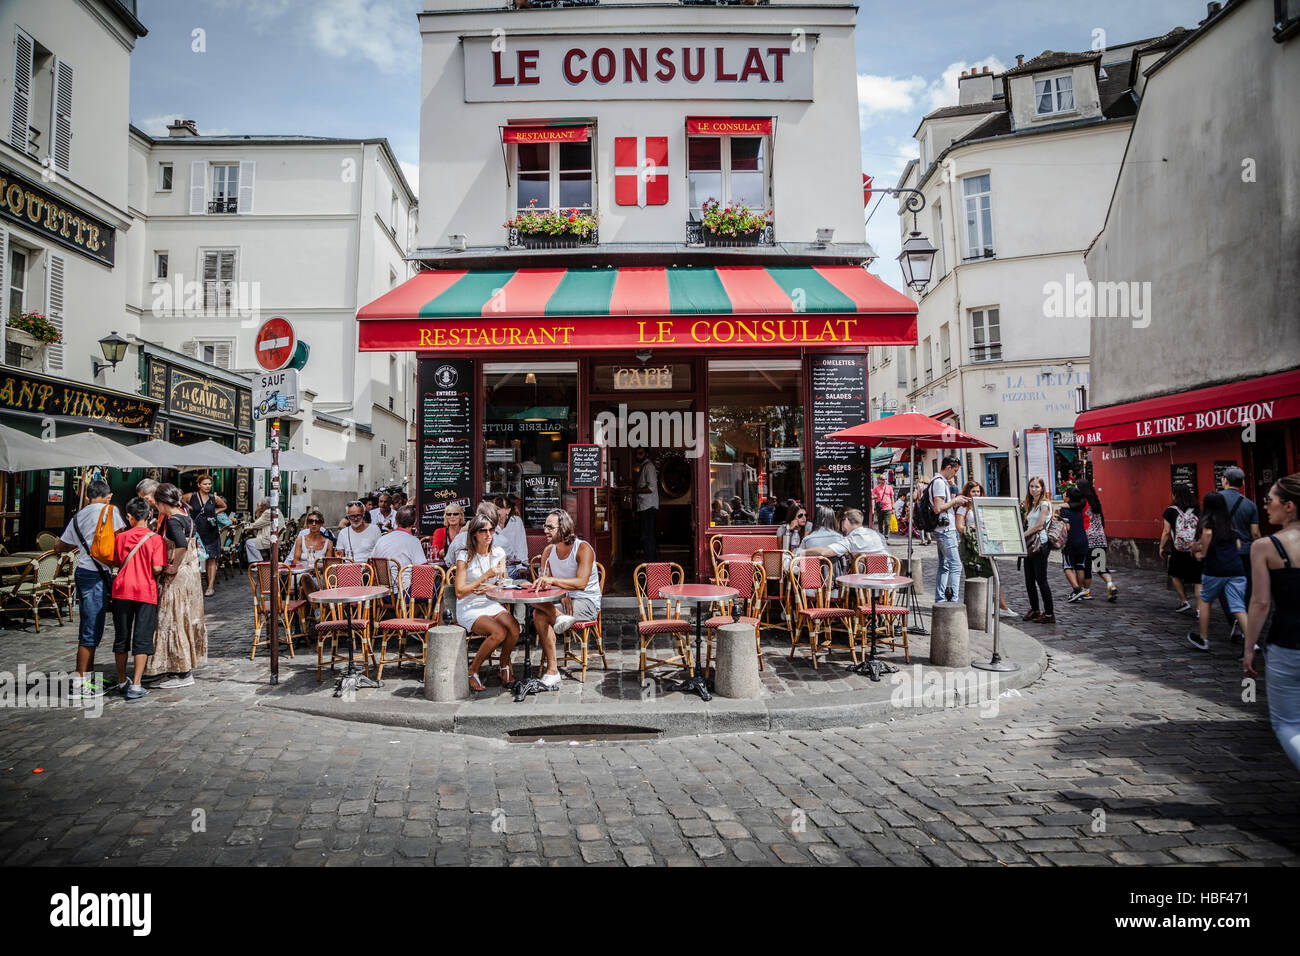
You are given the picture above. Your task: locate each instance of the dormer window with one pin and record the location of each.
(1054, 95)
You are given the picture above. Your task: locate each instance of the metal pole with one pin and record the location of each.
(996, 663)
(272, 627)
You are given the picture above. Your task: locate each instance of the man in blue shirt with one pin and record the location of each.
(1245, 526)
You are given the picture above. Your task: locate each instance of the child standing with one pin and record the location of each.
(142, 558)
(1076, 545)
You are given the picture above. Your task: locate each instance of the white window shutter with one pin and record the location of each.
(61, 118)
(247, 173)
(190, 347)
(198, 187)
(54, 310)
(19, 118)
(221, 355)
(4, 283)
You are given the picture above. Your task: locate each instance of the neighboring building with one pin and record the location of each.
(236, 229)
(1206, 217)
(1016, 178)
(64, 222)
(739, 355)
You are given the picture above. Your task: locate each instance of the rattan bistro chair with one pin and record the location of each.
(890, 623)
(45, 541)
(33, 585)
(811, 581)
(291, 610)
(649, 579)
(582, 631)
(775, 564)
(746, 577)
(347, 575)
(419, 610)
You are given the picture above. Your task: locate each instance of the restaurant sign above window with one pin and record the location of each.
(658, 378)
(198, 396)
(24, 202)
(641, 67)
(55, 397)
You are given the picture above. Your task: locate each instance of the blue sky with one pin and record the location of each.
(352, 67)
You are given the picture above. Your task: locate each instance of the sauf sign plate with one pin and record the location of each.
(275, 393)
(776, 66)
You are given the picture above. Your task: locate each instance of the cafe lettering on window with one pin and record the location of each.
(43, 396)
(24, 202)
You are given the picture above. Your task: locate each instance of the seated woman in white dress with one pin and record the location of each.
(479, 568)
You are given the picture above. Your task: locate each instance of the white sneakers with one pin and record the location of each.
(563, 622)
(173, 682)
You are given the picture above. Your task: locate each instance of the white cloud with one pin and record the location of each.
(412, 173)
(384, 32)
(914, 94)
(944, 91)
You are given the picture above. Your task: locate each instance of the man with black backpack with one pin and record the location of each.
(932, 514)
(1244, 516)
(96, 522)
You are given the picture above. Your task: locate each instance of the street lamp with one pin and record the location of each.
(917, 257)
(114, 348)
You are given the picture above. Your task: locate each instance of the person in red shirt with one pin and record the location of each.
(142, 558)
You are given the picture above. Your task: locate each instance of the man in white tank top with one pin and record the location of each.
(569, 563)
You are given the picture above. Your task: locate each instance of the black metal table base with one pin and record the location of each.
(697, 684)
(873, 668)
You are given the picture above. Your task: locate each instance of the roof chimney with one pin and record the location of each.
(975, 87)
(182, 128)
(1020, 59)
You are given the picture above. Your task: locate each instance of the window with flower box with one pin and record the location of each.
(727, 172)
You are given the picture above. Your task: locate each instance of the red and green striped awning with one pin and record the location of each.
(733, 306)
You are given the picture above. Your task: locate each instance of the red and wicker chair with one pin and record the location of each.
(811, 581)
(581, 633)
(346, 575)
(748, 578)
(649, 580)
(291, 609)
(419, 611)
(386, 573)
(775, 561)
(890, 623)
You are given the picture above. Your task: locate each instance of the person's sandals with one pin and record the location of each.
(476, 683)
(507, 675)
(209, 592)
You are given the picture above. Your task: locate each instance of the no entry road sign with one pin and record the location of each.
(275, 343)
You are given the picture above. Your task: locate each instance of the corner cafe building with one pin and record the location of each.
(727, 362)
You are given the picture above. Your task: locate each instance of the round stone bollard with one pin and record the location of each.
(736, 667)
(446, 671)
(949, 637)
(977, 603)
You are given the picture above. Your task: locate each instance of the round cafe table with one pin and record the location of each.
(700, 595)
(871, 667)
(527, 596)
(349, 598)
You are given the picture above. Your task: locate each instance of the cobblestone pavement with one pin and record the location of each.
(1132, 749)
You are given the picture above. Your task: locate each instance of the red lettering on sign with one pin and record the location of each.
(698, 74)
(497, 78)
(778, 67)
(723, 76)
(631, 64)
(667, 70)
(569, 73)
(605, 74)
(528, 67)
(753, 64)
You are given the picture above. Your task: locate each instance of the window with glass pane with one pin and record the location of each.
(945, 347)
(554, 175)
(1055, 95)
(530, 417)
(225, 182)
(928, 354)
(575, 175)
(534, 166)
(979, 217)
(17, 280)
(756, 431)
(731, 169)
(986, 335)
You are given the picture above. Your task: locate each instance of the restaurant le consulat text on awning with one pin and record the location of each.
(730, 377)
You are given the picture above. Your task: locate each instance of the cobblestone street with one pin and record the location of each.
(1132, 749)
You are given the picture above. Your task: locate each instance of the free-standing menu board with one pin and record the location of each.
(839, 400)
(999, 528)
(541, 497)
(446, 438)
(586, 466)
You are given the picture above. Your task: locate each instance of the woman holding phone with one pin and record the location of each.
(479, 568)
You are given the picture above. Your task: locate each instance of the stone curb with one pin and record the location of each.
(675, 715)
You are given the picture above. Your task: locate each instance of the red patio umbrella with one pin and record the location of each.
(913, 431)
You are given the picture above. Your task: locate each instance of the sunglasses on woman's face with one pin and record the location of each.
(313, 520)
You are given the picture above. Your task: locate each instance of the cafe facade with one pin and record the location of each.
(546, 362)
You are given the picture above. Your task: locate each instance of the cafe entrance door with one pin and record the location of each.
(667, 428)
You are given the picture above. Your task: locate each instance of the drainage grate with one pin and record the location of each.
(581, 733)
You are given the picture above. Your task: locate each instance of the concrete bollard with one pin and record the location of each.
(977, 603)
(736, 667)
(446, 669)
(949, 637)
(915, 575)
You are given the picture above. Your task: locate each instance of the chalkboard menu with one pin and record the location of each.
(541, 497)
(446, 438)
(1184, 474)
(839, 400)
(585, 466)
(1219, 468)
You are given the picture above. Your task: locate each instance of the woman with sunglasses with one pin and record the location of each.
(453, 523)
(794, 526)
(480, 567)
(310, 547)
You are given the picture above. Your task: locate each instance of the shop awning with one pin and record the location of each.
(620, 308)
(735, 125)
(1265, 399)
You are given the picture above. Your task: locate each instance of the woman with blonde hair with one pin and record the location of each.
(1037, 507)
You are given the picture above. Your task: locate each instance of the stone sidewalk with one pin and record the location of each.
(1132, 748)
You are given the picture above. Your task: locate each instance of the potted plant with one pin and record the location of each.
(32, 330)
(553, 228)
(731, 225)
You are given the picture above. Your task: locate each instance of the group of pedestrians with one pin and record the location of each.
(145, 570)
